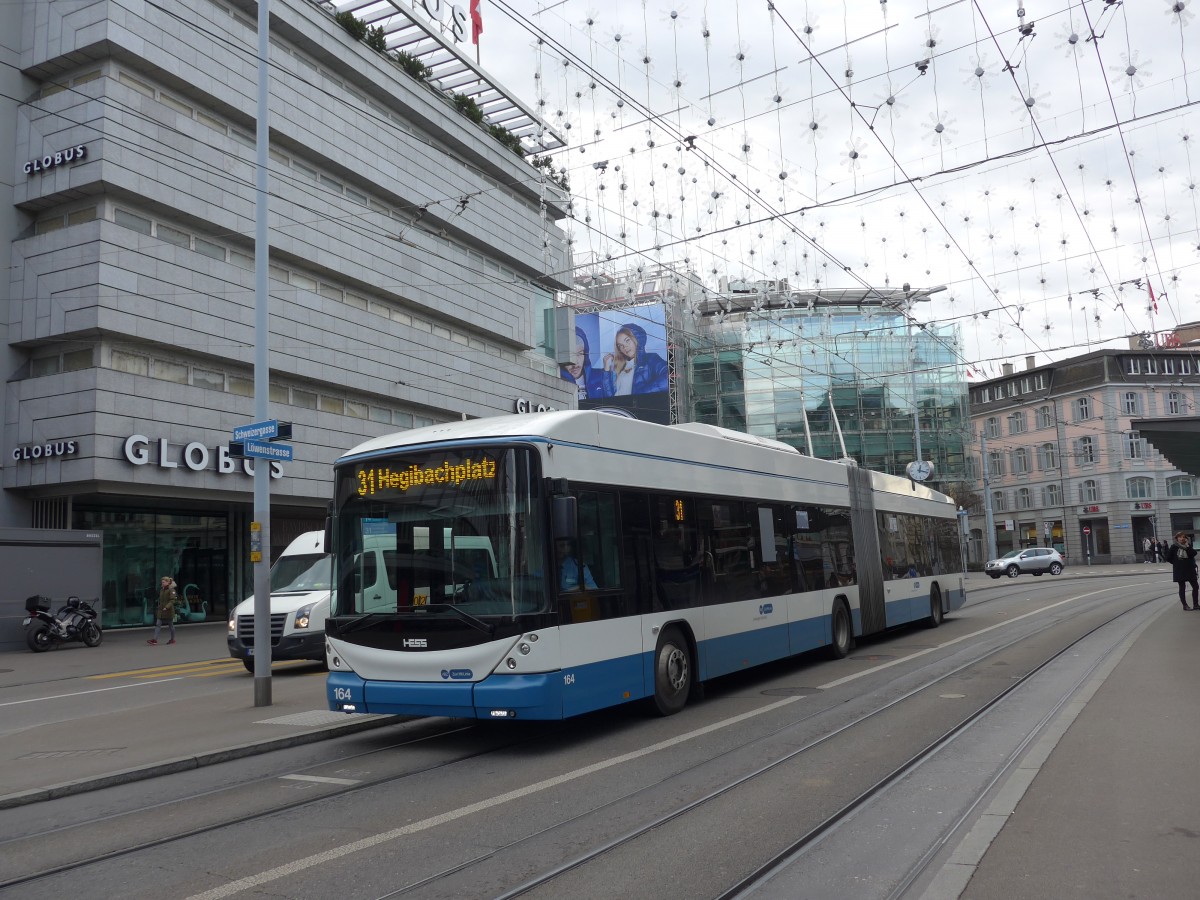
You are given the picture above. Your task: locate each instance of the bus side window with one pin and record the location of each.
(599, 538)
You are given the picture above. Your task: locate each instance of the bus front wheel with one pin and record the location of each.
(672, 673)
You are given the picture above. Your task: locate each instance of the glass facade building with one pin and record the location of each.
(854, 368)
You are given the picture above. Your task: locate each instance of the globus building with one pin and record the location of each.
(412, 258)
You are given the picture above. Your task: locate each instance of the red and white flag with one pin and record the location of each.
(1153, 302)
(476, 22)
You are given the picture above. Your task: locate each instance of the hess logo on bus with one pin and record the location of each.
(415, 643)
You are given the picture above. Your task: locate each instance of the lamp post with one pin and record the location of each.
(962, 538)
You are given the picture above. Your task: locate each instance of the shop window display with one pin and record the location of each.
(141, 546)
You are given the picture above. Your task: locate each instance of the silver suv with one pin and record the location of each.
(1032, 559)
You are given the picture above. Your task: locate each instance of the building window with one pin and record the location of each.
(1016, 423)
(992, 427)
(1089, 492)
(1024, 498)
(995, 462)
(1039, 382)
(1083, 409)
(1020, 458)
(1151, 366)
(1085, 451)
(1139, 488)
(1135, 447)
(1174, 403)
(1129, 403)
(1047, 457)
(1185, 366)
(1181, 486)
(998, 504)
(1044, 419)
(1133, 366)
(1168, 366)
(1051, 495)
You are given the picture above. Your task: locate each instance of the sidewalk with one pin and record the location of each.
(117, 746)
(1107, 804)
(124, 745)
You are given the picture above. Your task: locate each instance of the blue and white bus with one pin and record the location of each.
(546, 565)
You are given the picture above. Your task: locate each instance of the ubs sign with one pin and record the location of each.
(194, 456)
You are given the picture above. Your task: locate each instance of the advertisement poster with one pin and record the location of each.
(620, 362)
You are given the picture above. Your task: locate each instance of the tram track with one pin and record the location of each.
(62, 831)
(744, 887)
(558, 871)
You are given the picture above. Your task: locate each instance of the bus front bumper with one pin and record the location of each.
(496, 697)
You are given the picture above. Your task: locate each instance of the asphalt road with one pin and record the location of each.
(683, 807)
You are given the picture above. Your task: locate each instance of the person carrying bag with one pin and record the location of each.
(1182, 557)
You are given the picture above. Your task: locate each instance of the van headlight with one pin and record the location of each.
(303, 614)
(232, 625)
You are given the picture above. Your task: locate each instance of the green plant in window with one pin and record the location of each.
(468, 107)
(412, 65)
(354, 26)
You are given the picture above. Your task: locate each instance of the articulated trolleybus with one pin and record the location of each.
(542, 566)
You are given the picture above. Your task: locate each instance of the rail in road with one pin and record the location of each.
(810, 758)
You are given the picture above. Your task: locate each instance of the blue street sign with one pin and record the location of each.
(262, 450)
(262, 431)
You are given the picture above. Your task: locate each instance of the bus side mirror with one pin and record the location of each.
(328, 539)
(563, 515)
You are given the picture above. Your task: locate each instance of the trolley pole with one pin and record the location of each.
(262, 467)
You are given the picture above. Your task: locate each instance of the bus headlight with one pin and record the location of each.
(511, 663)
(524, 648)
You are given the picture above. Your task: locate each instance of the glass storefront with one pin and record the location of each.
(140, 546)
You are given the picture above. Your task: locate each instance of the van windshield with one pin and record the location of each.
(456, 527)
(303, 572)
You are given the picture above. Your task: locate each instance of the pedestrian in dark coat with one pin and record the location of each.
(168, 596)
(1182, 557)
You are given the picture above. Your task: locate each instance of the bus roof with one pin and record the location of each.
(599, 429)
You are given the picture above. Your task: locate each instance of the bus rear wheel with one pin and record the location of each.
(841, 631)
(936, 613)
(672, 672)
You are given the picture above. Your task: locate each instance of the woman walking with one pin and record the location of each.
(168, 596)
(1182, 557)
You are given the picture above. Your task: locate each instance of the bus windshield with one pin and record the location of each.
(454, 527)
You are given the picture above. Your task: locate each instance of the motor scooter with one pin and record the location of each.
(76, 620)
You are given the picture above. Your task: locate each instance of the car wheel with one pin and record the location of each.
(1012, 571)
(1055, 568)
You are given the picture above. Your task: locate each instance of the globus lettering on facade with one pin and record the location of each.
(528, 406)
(44, 451)
(195, 456)
(437, 9)
(58, 158)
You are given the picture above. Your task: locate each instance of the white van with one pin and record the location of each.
(301, 580)
(301, 584)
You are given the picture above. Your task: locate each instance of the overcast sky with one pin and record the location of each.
(867, 143)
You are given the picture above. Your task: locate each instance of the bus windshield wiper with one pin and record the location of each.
(355, 624)
(466, 617)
